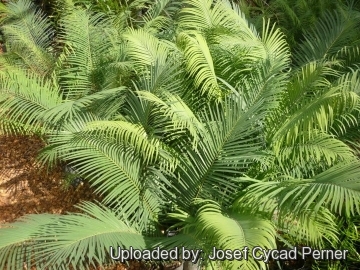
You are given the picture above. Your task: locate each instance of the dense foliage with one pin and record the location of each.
(186, 112)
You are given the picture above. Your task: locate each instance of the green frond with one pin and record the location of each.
(349, 56)
(144, 49)
(28, 36)
(264, 83)
(86, 47)
(25, 97)
(346, 112)
(350, 237)
(85, 237)
(16, 240)
(128, 134)
(330, 35)
(204, 16)
(288, 11)
(161, 77)
(70, 110)
(255, 68)
(229, 146)
(263, 79)
(337, 188)
(180, 115)
(321, 147)
(212, 227)
(313, 102)
(57, 242)
(199, 64)
(160, 15)
(197, 16)
(111, 156)
(61, 134)
(309, 228)
(156, 24)
(240, 53)
(276, 48)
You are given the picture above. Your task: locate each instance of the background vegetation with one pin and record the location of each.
(203, 115)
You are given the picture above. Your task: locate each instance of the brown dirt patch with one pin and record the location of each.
(27, 188)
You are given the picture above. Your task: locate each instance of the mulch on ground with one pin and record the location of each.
(28, 188)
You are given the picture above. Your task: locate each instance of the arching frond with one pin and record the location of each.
(313, 102)
(16, 240)
(277, 50)
(212, 227)
(126, 133)
(56, 242)
(145, 50)
(161, 77)
(319, 148)
(70, 110)
(337, 188)
(112, 156)
(348, 56)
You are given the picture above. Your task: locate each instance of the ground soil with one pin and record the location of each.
(28, 188)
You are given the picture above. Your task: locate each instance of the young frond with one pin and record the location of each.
(199, 64)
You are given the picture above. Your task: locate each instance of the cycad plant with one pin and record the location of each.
(189, 115)
(295, 16)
